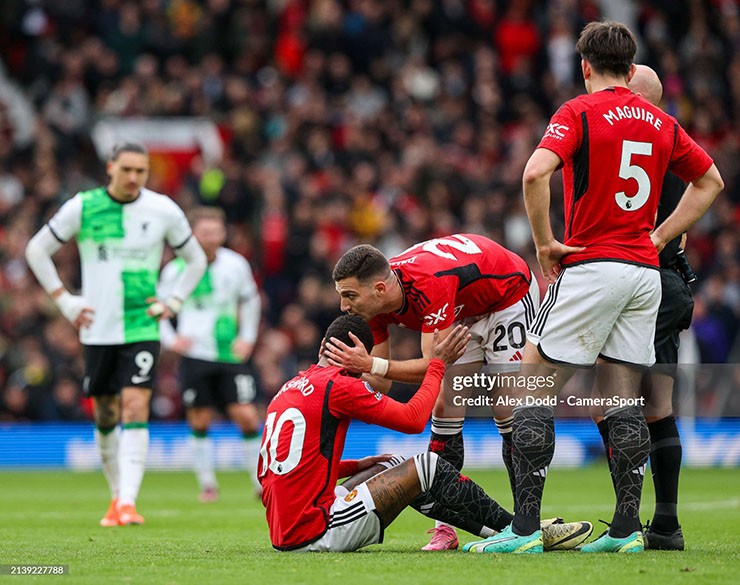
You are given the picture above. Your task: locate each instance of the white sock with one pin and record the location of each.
(251, 457)
(108, 449)
(132, 461)
(203, 461)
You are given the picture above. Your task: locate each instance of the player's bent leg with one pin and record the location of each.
(199, 420)
(133, 451)
(447, 439)
(245, 416)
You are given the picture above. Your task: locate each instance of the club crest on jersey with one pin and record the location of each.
(350, 496)
(556, 131)
(434, 318)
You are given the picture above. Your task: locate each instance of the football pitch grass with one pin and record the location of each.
(52, 518)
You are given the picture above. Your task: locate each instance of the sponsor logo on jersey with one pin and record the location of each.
(556, 131)
(350, 496)
(435, 317)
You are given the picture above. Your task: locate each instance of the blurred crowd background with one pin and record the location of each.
(381, 121)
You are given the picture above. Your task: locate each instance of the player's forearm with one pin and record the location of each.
(413, 416)
(195, 267)
(249, 319)
(537, 205)
(697, 198)
(39, 251)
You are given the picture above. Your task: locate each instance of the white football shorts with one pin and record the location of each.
(599, 309)
(499, 338)
(353, 523)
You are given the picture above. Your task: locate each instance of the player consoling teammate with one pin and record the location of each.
(463, 278)
(301, 459)
(615, 148)
(121, 230)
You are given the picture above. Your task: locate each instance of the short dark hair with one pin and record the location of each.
(362, 262)
(127, 146)
(341, 327)
(609, 47)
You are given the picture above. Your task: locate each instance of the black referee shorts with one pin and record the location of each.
(674, 315)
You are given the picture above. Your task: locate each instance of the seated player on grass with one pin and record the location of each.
(300, 460)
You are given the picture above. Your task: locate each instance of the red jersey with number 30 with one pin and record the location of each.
(452, 278)
(303, 439)
(616, 148)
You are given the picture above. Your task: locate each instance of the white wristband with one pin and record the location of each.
(379, 367)
(174, 305)
(70, 305)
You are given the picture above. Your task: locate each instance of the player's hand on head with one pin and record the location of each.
(354, 359)
(452, 347)
(241, 349)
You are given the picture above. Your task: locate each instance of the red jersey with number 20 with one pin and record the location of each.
(303, 439)
(616, 148)
(453, 278)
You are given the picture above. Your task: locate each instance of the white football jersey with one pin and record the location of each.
(210, 315)
(120, 248)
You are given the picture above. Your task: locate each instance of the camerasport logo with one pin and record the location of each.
(556, 131)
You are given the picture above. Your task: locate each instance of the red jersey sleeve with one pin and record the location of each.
(563, 134)
(358, 400)
(688, 160)
(348, 467)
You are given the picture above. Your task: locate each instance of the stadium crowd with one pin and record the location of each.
(344, 122)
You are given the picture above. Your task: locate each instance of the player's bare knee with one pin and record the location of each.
(106, 411)
(135, 405)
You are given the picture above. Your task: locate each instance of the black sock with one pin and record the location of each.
(534, 445)
(425, 504)
(450, 447)
(507, 449)
(630, 443)
(665, 463)
(603, 427)
(461, 496)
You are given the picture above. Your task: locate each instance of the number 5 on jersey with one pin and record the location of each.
(627, 170)
(269, 449)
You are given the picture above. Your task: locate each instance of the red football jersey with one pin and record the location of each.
(303, 439)
(451, 278)
(616, 148)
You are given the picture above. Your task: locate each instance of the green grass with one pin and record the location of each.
(52, 517)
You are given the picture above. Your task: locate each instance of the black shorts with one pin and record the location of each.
(216, 384)
(109, 368)
(674, 315)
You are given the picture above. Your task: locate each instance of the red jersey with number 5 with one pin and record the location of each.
(616, 148)
(452, 278)
(303, 439)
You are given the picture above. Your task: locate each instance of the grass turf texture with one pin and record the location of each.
(52, 517)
